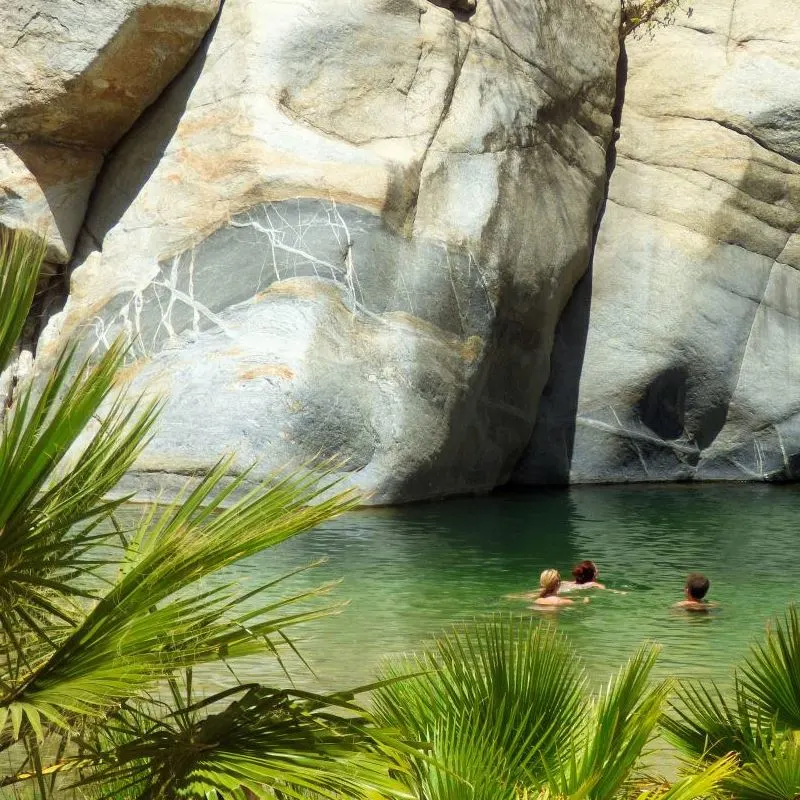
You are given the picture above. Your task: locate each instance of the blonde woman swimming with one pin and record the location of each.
(549, 584)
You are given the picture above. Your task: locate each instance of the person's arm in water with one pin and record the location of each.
(553, 602)
(550, 603)
(521, 596)
(573, 586)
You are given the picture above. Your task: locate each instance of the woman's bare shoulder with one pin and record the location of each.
(553, 600)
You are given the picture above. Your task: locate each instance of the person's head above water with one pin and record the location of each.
(697, 586)
(549, 581)
(585, 572)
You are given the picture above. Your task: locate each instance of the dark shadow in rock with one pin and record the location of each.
(708, 424)
(548, 457)
(149, 136)
(50, 298)
(662, 408)
(462, 9)
(793, 467)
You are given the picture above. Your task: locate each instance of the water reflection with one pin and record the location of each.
(409, 572)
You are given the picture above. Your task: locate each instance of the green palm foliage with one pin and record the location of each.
(506, 711)
(102, 626)
(21, 258)
(759, 720)
(98, 622)
(269, 742)
(771, 675)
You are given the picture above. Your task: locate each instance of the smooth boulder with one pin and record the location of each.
(349, 229)
(75, 77)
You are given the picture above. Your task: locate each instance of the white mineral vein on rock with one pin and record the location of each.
(350, 229)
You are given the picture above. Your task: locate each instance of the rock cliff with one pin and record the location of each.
(679, 354)
(74, 80)
(351, 229)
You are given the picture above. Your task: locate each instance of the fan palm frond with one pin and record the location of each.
(759, 722)
(270, 742)
(704, 783)
(771, 673)
(504, 710)
(49, 520)
(145, 626)
(492, 697)
(619, 724)
(94, 618)
(704, 724)
(21, 257)
(772, 774)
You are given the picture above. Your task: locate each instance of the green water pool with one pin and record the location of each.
(410, 572)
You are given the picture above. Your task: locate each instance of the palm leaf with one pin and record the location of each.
(82, 643)
(49, 521)
(145, 627)
(703, 724)
(771, 674)
(21, 259)
(493, 700)
(44, 424)
(463, 763)
(759, 723)
(702, 784)
(270, 742)
(773, 773)
(621, 722)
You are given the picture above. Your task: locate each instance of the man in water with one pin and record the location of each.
(696, 589)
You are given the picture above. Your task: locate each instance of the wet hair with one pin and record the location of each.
(549, 581)
(585, 572)
(697, 586)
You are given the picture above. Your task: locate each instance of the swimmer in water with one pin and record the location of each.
(585, 575)
(550, 582)
(696, 590)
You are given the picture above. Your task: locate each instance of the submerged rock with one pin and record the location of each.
(350, 228)
(679, 355)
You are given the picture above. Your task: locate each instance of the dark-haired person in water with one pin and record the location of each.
(585, 575)
(696, 589)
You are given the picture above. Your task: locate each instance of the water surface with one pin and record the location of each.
(410, 572)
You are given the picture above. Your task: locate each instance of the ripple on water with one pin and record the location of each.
(410, 572)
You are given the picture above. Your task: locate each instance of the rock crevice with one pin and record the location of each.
(694, 271)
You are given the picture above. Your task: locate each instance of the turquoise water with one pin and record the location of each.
(410, 572)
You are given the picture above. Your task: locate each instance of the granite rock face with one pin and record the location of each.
(679, 355)
(74, 78)
(350, 229)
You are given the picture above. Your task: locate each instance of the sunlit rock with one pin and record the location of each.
(74, 77)
(349, 229)
(680, 356)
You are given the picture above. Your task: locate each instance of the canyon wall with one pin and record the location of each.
(679, 355)
(384, 232)
(349, 229)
